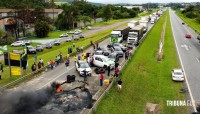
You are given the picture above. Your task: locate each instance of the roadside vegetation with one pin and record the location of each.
(146, 80)
(49, 54)
(191, 22)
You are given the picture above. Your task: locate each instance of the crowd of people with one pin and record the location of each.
(39, 65)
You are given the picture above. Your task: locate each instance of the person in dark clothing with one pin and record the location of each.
(119, 84)
(126, 55)
(108, 70)
(97, 45)
(33, 67)
(39, 65)
(1, 69)
(116, 65)
(85, 75)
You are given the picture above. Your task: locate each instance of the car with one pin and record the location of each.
(57, 42)
(77, 31)
(64, 35)
(89, 27)
(31, 50)
(177, 75)
(81, 36)
(17, 43)
(48, 45)
(113, 56)
(27, 42)
(103, 61)
(39, 48)
(83, 65)
(188, 35)
(69, 39)
(117, 44)
(70, 32)
(102, 51)
(76, 37)
(119, 51)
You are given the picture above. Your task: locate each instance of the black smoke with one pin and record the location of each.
(24, 102)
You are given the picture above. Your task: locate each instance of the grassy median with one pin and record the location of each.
(145, 79)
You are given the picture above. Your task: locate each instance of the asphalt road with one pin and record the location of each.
(189, 54)
(60, 72)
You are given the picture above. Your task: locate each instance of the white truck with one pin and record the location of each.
(132, 23)
(145, 24)
(135, 34)
(120, 34)
(153, 19)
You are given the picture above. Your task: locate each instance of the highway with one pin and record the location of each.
(189, 55)
(60, 72)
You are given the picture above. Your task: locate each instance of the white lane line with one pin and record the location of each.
(197, 59)
(55, 78)
(192, 99)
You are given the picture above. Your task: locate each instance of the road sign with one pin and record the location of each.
(114, 40)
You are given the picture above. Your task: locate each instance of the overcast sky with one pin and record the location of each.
(139, 1)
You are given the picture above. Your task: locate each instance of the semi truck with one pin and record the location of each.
(133, 23)
(120, 34)
(135, 35)
(145, 24)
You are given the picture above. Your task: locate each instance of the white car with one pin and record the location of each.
(83, 65)
(177, 75)
(78, 31)
(17, 43)
(64, 35)
(89, 27)
(103, 61)
(69, 39)
(76, 37)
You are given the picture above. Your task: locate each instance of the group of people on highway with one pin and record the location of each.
(39, 65)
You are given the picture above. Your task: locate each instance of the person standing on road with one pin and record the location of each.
(75, 59)
(117, 72)
(33, 67)
(126, 55)
(85, 75)
(1, 70)
(101, 79)
(108, 70)
(97, 45)
(119, 84)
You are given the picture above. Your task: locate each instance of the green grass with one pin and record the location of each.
(191, 22)
(145, 79)
(49, 54)
(147, 13)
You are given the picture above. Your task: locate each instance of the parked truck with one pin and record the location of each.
(132, 23)
(120, 34)
(145, 24)
(135, 35)
(153, 19)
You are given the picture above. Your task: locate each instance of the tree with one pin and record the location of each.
(6, 38)
(41, 28)
(107, 13)
(85, 19)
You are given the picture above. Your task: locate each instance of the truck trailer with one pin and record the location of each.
(133, 23)
(135, 35)
(120, 34)
(145, 24)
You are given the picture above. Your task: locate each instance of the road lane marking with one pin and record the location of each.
(185, 46)
(197, 59)
(192, 99)
(55, 78)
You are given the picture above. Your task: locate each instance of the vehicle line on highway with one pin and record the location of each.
(181, 63)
